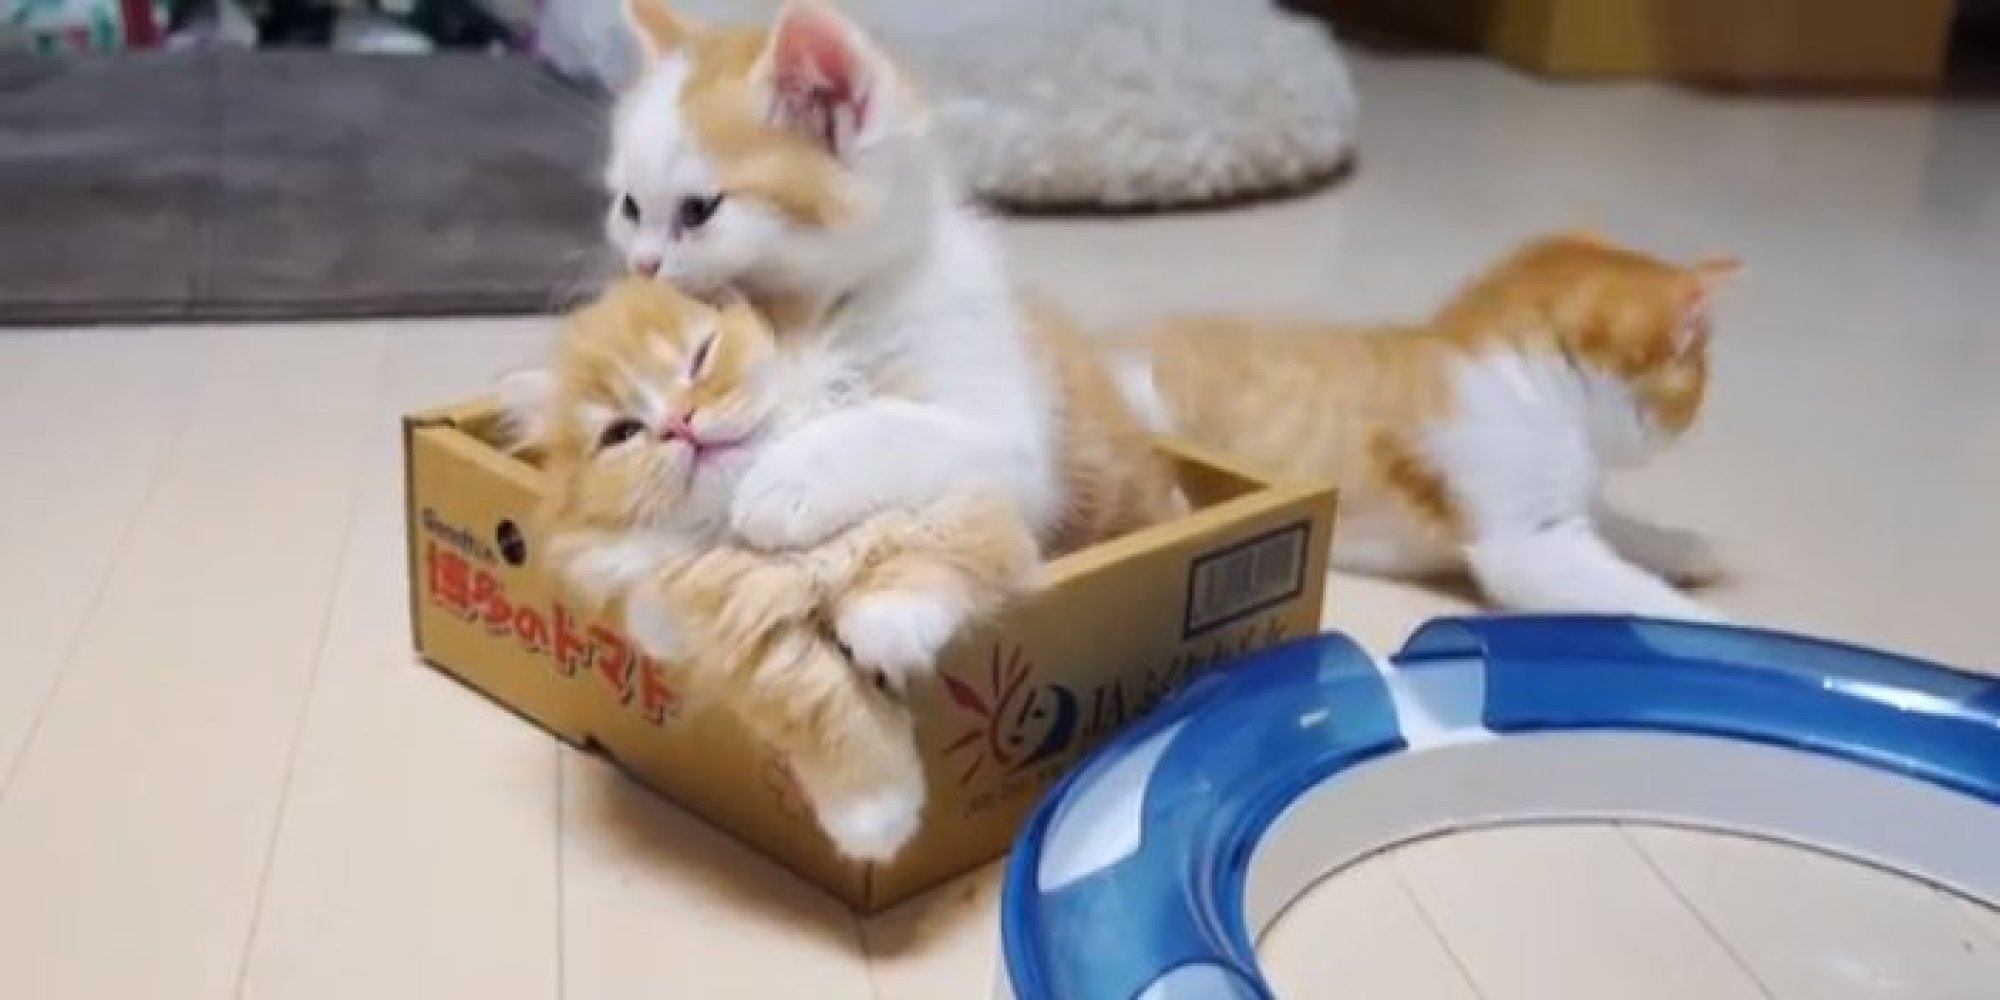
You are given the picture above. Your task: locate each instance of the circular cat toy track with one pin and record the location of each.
(1150, 872)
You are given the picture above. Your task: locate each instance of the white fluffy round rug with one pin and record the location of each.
(1107, 103)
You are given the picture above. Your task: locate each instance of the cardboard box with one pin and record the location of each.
(1114, 629)
(1849, 42)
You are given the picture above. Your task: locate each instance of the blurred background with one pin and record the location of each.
(295, 158)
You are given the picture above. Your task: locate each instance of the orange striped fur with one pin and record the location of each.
(1488, 421)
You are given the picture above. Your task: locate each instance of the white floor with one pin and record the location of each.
(221, 774)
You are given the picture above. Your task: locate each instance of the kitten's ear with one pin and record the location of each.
(1704, 279)
(826, 80)
(1711, 273)
(660, 31)
(1589, 236)
(527, 399)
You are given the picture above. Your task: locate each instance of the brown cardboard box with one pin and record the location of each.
(1853, 42)
(1114, 628)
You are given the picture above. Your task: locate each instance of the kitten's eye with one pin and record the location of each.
(628, 208)
(694, 213)
(698, 361)
(619, 432)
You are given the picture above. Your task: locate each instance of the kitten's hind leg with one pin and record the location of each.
(853, 749)
(1567, 567)
(1681, 556)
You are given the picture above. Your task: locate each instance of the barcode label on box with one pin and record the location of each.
(1246, 578)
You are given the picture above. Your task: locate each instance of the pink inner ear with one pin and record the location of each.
(1694, 315)
(819, 82)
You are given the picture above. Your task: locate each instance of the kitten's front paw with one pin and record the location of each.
(897, 633)
(1682, 557)
(777, 511)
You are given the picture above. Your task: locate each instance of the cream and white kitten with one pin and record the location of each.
(793, 164)
(652, 409)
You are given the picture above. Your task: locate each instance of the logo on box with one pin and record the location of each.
(1016, 722)
(1021, 729)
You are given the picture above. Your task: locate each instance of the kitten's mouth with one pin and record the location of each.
(710, 449)
(704, 449)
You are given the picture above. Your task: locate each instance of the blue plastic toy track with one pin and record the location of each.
(1148, 873)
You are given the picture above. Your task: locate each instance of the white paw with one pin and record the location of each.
(874, 827)
(649, 625)
(1685, 558)
(1692, 611)
(778, 511)
(1682, 557)
(1654, 598)
(897, 632)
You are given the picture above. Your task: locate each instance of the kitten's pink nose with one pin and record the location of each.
(646, 266)
(681, 427)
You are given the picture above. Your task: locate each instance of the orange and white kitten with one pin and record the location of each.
(655, 409)
(794, 164)
(1478, 439)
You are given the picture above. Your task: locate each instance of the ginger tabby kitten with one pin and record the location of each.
(655, 409)
(1477, 439)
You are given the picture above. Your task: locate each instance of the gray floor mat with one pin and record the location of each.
(264, 185)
